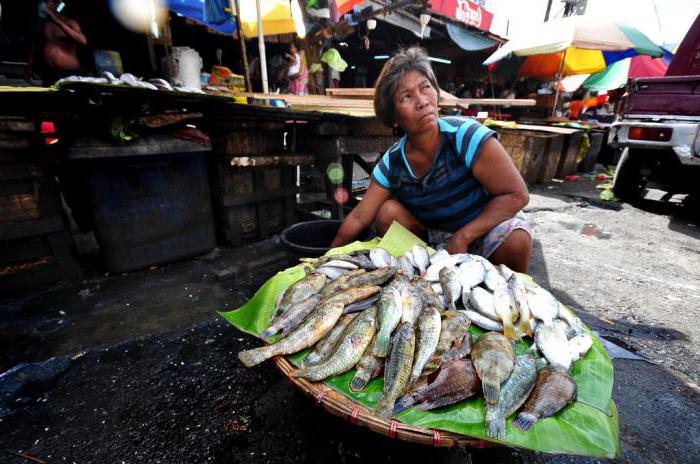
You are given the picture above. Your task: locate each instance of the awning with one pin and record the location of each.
(194, 10)
(469, 40)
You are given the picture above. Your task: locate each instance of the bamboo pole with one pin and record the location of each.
(236, 12)
(261, 48)
(556, 94)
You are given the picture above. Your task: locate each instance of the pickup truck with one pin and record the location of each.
(658, 128)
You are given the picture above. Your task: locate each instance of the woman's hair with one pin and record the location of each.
(409, 59)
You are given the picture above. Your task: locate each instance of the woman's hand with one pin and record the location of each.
(458, 243)
(362, 215)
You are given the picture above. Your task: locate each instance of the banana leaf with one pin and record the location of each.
(588, 427)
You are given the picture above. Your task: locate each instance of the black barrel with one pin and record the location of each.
(313, 238)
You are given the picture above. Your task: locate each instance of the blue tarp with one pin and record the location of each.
(194, 10)
(469, 40)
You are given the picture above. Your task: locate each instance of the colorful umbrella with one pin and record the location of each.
(277, 17)
(616, 75)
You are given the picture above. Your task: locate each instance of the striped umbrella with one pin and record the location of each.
(616, 75)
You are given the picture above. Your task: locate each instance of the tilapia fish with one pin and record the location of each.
(454, 382)
(361, 305)
(354, 294)
(315, 326)
(504, 310)
(289, 319)
(514, 392)
(348, 351)
(376, 277)
(554, 389)
(406, 267)
(327, 344)
(367, 368)
(411, 304)
(519, 296)
(427, 293)
(552, 343)
(336, 285)
(493, 358)
(380, 257)
(333, 273)
(471, 274)
(454, 342)
(482, 321)
(482, 301)
(451, 285)
(542, 304)
(397, 369)
(432, 274)
(579, 346)
(301, 290)
(493, 280)
(421, 258)
(427, 337)
(389, 312)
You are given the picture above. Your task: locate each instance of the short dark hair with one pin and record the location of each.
(409, 59)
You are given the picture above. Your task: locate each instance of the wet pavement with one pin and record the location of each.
(139, 368)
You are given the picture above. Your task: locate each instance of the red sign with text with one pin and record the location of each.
(464, 11)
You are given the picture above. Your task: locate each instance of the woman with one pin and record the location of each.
(297, 74)
(447, 179)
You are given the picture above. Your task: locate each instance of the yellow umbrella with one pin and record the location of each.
(276, 14)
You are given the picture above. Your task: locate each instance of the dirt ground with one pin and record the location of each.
(140, 368)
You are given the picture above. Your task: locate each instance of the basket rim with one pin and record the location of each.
(340, 405)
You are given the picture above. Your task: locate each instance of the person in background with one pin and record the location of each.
(448, 180)
(61, 38)
(297, 74)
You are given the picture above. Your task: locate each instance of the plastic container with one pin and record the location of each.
(188, 66)
(313, 238)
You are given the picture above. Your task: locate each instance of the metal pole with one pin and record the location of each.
(556, 94)
(549, 8)
(235, 6)
(261, 48)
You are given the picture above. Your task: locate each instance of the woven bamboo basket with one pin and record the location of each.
(341, 406)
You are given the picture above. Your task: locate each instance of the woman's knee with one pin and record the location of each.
(515, 251)
(392, 210)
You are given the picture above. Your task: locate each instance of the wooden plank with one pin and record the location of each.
(262, 207)
(240, 199)
(93, 148)
(24, 250)
(14, 230)
(331, 147)
(20, 171)
(568, 161)
(270, 159)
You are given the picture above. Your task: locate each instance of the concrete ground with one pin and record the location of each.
(140, 368)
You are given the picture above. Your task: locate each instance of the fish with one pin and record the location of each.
(327, 344)
(493, 280)
(361, 305)
(454, 341)
(409, 256)
(377, 277)
(432, 274)
(505, 271)
(389, 313)
(488, 265)
(394, 261)
(300, 290)
(482, 321)
(455, 381)
(552, 343)
(542, 304)
(438, 255)
(358, 259)
(427, 294)
(348, 351)
(421, 257)
(436, 287)
(380, 257)
(514, 392)
(554, 389)
(398, 282)
(292, 317)
(397, 369)
(334, 286)
(579, 346)
(482, 301)
(341, 263)
(471, 274)
(406, 267)
(411, 304)
(569, 331)
(354, 294)
(493, 358)
(519, 297)
(332, 273)
(502, 306)
(367, 368)
(451, 286)
(312, 329)
(427, 337)
(571, 319)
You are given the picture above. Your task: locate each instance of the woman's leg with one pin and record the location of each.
(515, 251)
(392, 210)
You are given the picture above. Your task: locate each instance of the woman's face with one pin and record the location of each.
(415, 103)
(292, 48)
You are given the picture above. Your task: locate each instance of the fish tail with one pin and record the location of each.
(402, 404)
(524, 327)
(384, 407)
(381, 345)
(359, 382)
(509, 330)
(524, 421)
(491, 392)
(496, 427)
(255, 356)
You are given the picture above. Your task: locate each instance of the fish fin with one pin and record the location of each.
(524, 421)
(496, 427)
(384, 407)
(509, 330)
(491, 392)
(402, 404)
(436, 403)
(381, 346)
(524, 327)
(255, 356)
(358, 383)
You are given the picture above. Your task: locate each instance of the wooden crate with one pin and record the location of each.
(253, 138)
(552, 156)
(530, 151)
(569, 157)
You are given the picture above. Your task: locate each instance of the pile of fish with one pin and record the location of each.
(408, 317)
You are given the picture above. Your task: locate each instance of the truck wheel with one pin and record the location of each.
(628, 182)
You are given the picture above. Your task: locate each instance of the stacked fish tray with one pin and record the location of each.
(35, 244)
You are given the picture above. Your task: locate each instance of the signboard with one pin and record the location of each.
(465, 12)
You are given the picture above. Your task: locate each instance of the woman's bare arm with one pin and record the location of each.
(362, 215)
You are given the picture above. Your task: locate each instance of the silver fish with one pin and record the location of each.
(427, 337)
(471, 274)
(579, 346)
(451, 286)
(397, 369)
(502, 306)
(493, 280)
(432, 274)
(483, 321)
(409, 256)
(331, 272)
(301, 290)
(421, 257)
(406, 267)
(389, 312)
(438, 255)
(542, 304)
(482, 301)
(505, 271)
(552, 343)
(341, 264)
(519, 296)
(380, 257)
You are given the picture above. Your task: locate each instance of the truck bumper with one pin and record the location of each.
(685, 140)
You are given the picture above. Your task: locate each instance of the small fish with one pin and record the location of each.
(389, 312)
(301, 290)
(514, 392)
(380, 257)
(579, 346)
(377, 277)
(398, 282)
(454, 382)
(394, 261)
(554, 389)
(341, 264)
(569, 331)
(505, 271)
(328, 343)
(454, 341)
(406, 267)
(315, 327)
(542, 304)
(569, 317)
(409, 256)
(482, 301)
(367, 368)
(471, 274)
(552, 343)
(348, 351)
(411, 304)
(501, 303)
(519, 296)
(432, 274)
(482, 321)
(354, 294)
(332, 273)
(493, 280)
(451, 286)
(336, 284)
(493, 358)
(438, 255)
(358, 259)
(421, 257)
(427, 294)
(427, 337)
(361, 305)
(292, 317)
(397, 369)
(488, 266)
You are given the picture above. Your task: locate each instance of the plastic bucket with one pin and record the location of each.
(313, 238)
